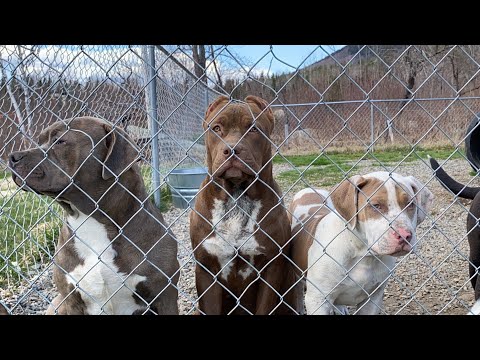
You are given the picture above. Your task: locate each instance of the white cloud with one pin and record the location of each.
(83, 63)
(75, 62)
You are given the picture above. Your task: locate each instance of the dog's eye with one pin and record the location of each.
(411, 205)
(59, 142)
(253, 129)
(377, 206)
(216, 128)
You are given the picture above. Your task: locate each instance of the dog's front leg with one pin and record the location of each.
(373, 305)
(269, 287)
(209, 292)
(55, 307)
(316, 300)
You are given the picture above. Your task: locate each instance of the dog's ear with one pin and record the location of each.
(121, 152)
(423, 196)
(213, 106)
(262, 105)
(345, 198)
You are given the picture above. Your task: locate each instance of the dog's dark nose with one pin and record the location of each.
(15, 157)
(227, 151)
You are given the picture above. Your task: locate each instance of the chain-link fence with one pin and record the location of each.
(108, 214)
(383, 123)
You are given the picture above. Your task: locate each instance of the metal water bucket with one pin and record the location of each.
(184, 185)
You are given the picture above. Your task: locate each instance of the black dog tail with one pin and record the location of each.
(450, 184)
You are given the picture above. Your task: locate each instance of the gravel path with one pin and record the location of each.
(432, 281)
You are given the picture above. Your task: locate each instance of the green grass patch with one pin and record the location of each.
(28, 231)
(381, 156)
(325, 175)
(165, 194)
(330, 168)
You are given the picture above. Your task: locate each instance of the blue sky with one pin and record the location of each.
(293, 55)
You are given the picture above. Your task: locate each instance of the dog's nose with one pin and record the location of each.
(228, 150)
(15, 157)
(403, 234)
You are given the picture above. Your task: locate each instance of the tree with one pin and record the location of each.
(14, 63)
(199, 62)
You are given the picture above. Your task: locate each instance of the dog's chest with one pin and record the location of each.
(103, 288)
(234, 224)
(363, 279)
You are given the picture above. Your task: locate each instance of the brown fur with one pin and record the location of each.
(345, 198)
(373, 192)
(234, 121)
(3, 310)
(303, 234)
(142, 224)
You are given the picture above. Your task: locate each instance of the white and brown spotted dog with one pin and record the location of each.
(348, 239)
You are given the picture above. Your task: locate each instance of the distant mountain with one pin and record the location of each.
(345, 54)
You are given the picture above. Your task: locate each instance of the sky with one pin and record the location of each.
(293, 55)
(119, 61)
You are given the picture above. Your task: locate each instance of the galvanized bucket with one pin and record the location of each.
(184, 185)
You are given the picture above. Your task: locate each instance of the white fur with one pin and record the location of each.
(342, 269)
(233, 233)
(341, 272)
(98, 278)
(475, 310)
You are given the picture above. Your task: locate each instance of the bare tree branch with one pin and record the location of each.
(13, 100)
(214, 61)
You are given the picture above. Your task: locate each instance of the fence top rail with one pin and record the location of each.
(459, 98)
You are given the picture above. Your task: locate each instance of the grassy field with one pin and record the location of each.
(28, 226)
(329, 168)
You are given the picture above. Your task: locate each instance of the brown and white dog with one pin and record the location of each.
(239, 229)
(346, 241)
(114, 254)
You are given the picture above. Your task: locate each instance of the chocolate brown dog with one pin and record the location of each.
(3, 310)
(473, 228)
(240, 229)
(114, 254)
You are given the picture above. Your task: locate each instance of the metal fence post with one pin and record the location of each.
(153, 114)
(206, 98)
(372, 127)
(286, 130)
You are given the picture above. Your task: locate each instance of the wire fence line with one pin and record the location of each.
(156, 99)
(356, 123)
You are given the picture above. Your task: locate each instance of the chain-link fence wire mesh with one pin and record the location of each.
(384, 123)
(361, 101)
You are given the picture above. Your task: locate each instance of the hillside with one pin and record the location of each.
(345, 54)
(375, 72)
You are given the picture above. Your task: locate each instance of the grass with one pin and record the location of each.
(330, 168)
(29, 226)
(316, 175)
(165, 193)
(386, 156)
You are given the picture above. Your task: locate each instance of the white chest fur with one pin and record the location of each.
(102, 287)
(234, 225)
